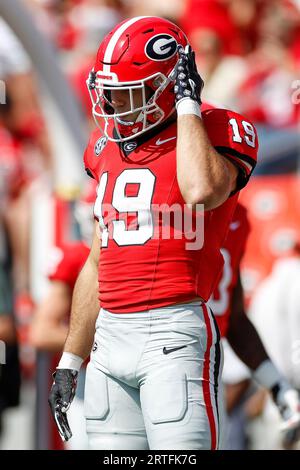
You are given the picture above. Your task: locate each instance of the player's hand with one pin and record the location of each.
(188, 83)
(60, 398)
(288, 403)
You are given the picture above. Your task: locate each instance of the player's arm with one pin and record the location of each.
(84, 311)
(245, 341)
(85, 304)
(204, 176)
(48, 330)
(242, 335)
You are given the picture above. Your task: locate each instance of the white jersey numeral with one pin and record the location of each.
(123, 234)
(140, 204)
(98, 208)
(249, 132)
(220, 306)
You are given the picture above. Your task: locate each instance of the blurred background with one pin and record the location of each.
(248, 52)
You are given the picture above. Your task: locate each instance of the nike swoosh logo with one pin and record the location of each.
(160, 142)
(234, 225)
(168, 351)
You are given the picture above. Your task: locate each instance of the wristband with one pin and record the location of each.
(267, 375)
(188, 106)
(70, 361)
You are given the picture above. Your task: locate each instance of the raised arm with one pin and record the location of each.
(204, 176)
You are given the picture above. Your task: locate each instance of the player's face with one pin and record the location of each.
(120, 100)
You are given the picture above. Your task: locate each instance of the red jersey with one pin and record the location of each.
(140, 267)
(232, 251)
(66, 263)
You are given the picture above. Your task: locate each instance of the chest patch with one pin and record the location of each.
(99, 145)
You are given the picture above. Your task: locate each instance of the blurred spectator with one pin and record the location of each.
(265, 95)
(52, 19)
(50, 322)
(170, 9)
(25, 148)
(94, 19)
(13, 58)
(69, 22)
(14, 206)
(12, 179)
(212, 15)
(10, 378)
(23, 117)
(216, 41)
(245, 14)
(248, 52)
(25, 155)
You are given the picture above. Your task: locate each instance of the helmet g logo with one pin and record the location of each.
(161, 47)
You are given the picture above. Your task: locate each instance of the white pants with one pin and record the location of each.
(152, 381)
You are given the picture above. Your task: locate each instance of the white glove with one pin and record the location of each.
(285, 398)
(287, 401)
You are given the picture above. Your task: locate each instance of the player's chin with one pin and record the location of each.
(127, 118)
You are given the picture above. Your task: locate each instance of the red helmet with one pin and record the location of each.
(138, 54)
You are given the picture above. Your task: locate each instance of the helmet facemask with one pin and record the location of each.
(143, 105)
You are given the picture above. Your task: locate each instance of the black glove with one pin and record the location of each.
(60, 398)
(188, 83)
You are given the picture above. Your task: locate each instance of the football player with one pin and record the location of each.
(152, 380)
(227, 303)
